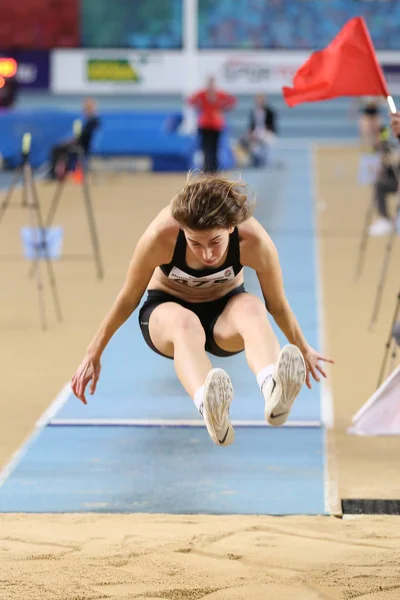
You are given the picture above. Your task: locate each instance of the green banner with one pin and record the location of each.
(106, 69)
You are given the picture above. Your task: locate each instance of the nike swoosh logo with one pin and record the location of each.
(272, 391)
(278, 415)
(224, 438)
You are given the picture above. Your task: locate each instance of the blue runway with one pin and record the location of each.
(140, 446)
(168, 470)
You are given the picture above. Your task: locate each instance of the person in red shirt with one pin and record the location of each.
(211, 105)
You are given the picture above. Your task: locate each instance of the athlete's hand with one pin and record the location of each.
(89, 370)
(312, 359)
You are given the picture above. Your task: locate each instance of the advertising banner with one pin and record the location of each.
(169, 72)
(250, 72)
(117, 71)
(125, 71)
(33, 68)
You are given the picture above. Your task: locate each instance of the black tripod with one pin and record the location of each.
(393, 340)
(364, 238)
(380, 152)
(77, 151)
(40, 243)
(18, 177)
(385, 151)
(388, 253)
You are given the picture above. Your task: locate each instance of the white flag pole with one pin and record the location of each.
(392, 105)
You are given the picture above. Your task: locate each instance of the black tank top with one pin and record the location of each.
(180, 272)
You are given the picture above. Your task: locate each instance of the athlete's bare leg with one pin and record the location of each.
(244, 324)
(178, 333)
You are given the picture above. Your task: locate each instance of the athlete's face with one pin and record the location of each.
(208, 246)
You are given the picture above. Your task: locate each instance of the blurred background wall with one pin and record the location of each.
(150, 55)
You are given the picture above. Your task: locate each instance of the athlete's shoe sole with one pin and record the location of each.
(218, 395)
(280, 390)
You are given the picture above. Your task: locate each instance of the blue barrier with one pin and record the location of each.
(121, 133)
(47, 127)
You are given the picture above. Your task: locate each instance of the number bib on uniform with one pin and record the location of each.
(206, 281)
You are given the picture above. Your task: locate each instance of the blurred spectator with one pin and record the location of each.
(395, 123)
(263, 117)
(262, 130)
(385, 184)
(370, 121)
(211, 105)
(64, 153)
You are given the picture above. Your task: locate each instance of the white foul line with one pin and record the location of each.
(331, 492)
(109, 422)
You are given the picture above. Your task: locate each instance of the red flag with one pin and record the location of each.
(348, 66)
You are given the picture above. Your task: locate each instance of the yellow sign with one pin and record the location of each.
(118, 70)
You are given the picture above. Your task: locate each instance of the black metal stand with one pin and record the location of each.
(388, 255)
(41, 250)
(89, 212)
(391, 339)
(18, 177)
(364, 239)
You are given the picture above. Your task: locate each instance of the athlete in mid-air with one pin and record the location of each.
(190, 260)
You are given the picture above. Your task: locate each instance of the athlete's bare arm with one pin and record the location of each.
(258, 252)
(154, 247)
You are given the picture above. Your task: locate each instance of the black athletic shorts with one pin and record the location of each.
(208, 313)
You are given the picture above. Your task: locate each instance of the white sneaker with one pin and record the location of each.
(218, 395)
(281, 389)
(381, 227)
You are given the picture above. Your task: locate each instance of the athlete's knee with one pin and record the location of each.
(251, 307)
(186, 323)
